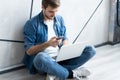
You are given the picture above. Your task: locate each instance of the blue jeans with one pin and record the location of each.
(44, 63)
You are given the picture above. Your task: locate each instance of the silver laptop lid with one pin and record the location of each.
(71, 51)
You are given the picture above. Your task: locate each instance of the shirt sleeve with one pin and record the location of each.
(63, 30)
(29, 35)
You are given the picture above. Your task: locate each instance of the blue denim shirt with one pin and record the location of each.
(36, 32)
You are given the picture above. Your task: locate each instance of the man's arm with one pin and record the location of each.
(37, 48)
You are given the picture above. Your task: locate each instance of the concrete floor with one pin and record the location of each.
(103, 66)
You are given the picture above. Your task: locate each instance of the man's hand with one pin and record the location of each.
(54, 42)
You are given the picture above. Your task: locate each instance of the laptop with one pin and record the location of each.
(70, 51)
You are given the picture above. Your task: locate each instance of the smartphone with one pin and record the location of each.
(58, 38)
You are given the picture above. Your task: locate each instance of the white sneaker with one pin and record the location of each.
(81, 73)
(50, 77)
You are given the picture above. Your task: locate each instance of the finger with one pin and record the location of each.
(53, 37)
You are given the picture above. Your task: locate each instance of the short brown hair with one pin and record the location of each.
(52, 3)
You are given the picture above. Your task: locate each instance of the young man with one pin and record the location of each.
(41, 45)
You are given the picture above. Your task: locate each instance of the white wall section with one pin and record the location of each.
(13, 15)
(10, 54)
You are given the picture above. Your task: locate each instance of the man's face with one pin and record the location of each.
(49, 12)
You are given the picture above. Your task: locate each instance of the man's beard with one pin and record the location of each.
(51, 18)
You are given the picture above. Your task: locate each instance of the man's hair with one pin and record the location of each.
(52, 3)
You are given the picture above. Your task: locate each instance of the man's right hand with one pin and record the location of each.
(54, 42)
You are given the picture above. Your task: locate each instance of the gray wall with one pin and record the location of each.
(13, 15)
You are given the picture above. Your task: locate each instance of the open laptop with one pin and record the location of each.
(71, 51)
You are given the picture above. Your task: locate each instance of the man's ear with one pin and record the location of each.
(42, 6)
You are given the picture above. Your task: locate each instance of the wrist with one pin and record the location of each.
(47, 44)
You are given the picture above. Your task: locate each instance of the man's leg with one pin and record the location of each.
(74, 63)
(43, 62)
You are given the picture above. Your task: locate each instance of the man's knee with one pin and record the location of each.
(90, 51)
(63, 74)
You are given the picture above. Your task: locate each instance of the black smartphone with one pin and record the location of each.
(58, 38)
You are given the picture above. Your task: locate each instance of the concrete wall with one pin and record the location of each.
(13, 15)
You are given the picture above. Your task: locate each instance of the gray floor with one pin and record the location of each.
(103, 66)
